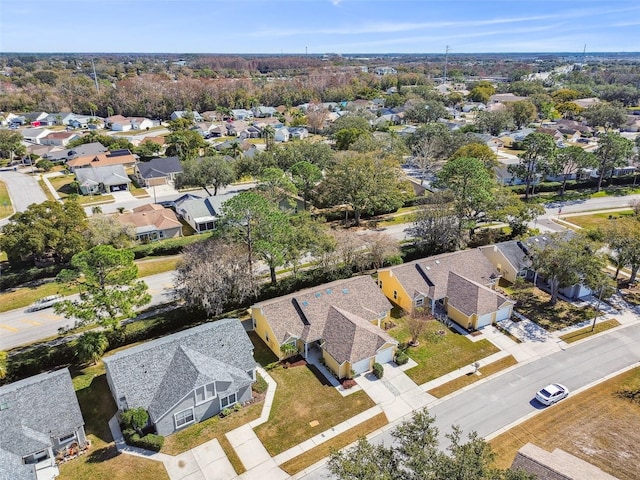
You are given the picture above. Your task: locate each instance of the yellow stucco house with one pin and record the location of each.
(340, 320)
(460, 284)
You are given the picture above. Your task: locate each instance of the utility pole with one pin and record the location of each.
(446, 63)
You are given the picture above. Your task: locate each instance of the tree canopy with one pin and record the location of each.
(216, 171)
(109, 287)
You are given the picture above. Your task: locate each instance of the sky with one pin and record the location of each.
(319, 26)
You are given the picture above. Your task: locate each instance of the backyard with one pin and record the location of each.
(598, 425)
(103, 462)
(440, 351)
(303, 398)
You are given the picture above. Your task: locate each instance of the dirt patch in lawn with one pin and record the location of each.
(599, 425)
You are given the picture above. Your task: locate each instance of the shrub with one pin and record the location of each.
(226, 412)
(348, 383)
(401, 358)
(149, 441)
(260, 385)
(378, 371)
(134, 418)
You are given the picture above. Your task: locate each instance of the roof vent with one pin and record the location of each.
(318, 294)
(4, 406)
(544, 238)
(437, 262)
(329, 291)
(305, 303)
(345, 290)
(428, 268)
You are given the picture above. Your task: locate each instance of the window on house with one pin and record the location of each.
(227, 401)
(419, 302)
(205, 393)
(66, 438)
(395, 294)
(380, 283)
(184, 417)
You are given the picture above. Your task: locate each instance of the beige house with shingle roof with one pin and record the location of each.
(342, 319)
(460, 283)
(152, 222)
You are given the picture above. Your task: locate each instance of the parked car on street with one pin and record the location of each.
(45, 302)
(552, 393)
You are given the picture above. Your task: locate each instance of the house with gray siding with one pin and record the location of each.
(40, 419)
(187, 377)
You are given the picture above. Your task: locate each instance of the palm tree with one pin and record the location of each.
(91, 346)
(268, 133)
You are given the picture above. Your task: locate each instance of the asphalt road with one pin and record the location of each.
(23, 190)
(507, 398)
(20, 327)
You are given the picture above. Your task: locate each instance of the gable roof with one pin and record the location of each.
(157, 374)
(304, 314)
(150, 217)
(108, 175)
(159, 167)
(31, 412)
(85, 149)
(116, 157)
(348, 337)
(472, 298)
(430, 276)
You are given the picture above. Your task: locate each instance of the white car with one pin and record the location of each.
(45, 302)
(552, 393)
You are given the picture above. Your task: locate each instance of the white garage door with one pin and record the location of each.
(361, 366)
(385, 356)
(503, 314)
(485, 320)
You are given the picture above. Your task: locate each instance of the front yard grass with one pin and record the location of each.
(62, 185)
(103, 462)
(596, 220)
(25, 296)
(599, 425)
(301, 397)
(440, 351)
(308, 458)
(6, 209)
(214, 427)
(460, 382)
(534, 304)
(153, 266)
(587, 332)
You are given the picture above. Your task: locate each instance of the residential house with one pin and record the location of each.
(118, 123)
(158, 171)
(105, 179)
(35, 118)
(201, 213)
(187, 377)
(298, 132)
(506, 98)
(385, 71)
(556, 465)
(158, 140)
(282, 135)
(152, 222)
(40, 419)
(35, 135)
(512, 259)
(249, 132)
(86, 149)
(59, 139)
(263, 112)
(241, 114)
(114, 157)
(184, 113)
(460, 284)
(60, 118)
(339, 320)
(235, 127)
(586, 102)
(554, 132)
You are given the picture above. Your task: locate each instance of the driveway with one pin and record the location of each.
(395, 392)
(23, 190)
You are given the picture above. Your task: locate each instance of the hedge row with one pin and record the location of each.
(150, 441)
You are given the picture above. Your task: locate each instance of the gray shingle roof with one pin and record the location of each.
(350, 338)
(156, 374)
(159, 167)
(472, 298)
(108, 175)
(31, 412)
(304, 314)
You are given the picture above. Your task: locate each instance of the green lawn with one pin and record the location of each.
(25, 296)
(62, 185)
(302, 397)
(596, 220)
(534, 304)
(6, 209)
(440, 351)
(153, 266)
(103, 462)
